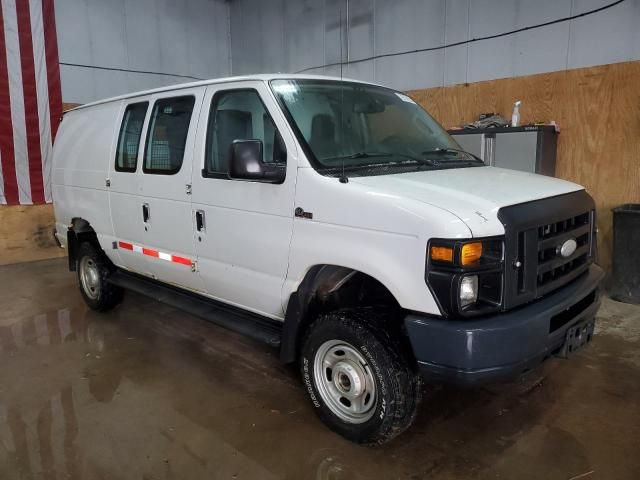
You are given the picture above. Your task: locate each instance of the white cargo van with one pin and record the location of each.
(336, 221)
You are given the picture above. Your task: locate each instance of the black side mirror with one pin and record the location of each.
(246, 163)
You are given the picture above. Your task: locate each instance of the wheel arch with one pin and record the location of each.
(79, 231)
(325, 288)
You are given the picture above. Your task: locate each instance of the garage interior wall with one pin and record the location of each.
(105, 45)
(597, 107)
(289, 36)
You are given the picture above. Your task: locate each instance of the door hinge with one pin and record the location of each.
(194, 266)
(107, 182)
(188, 188)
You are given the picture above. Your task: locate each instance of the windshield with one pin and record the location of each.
(365, 129)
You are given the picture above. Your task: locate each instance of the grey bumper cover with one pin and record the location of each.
(502, 346)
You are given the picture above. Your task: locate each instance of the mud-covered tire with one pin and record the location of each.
(397, 384)
(93, 268)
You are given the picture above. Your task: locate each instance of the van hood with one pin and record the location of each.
(473, 194)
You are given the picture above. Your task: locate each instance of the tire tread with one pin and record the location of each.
(373, 326)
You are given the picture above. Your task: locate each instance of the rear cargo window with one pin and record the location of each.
(167, 135)
(129, 138)
(239, 115)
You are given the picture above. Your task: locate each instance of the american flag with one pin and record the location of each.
(30, 100)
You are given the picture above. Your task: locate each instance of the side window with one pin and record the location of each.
(167, 135)
(129, 137)
(239, 115)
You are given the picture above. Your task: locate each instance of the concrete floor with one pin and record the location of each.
(149, 392)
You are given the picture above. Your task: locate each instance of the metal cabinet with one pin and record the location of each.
(529, 148)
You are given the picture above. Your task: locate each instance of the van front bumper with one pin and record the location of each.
(503, 346)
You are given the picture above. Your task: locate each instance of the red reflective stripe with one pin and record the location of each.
(125, 245)
(151, 253)
(154, 253)
(7, 158)
(181, 260)
(32, 123)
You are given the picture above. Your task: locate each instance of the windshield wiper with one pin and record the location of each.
(407, 160)
(444, 151)
(367, 155)
(391, 164)
(423, 161)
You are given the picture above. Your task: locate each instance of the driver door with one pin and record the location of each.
(243, 228)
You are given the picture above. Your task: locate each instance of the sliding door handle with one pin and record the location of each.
(200, 225)
(145, 213)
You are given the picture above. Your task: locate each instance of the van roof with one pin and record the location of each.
(179, 86)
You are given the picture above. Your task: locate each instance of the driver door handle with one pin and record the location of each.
(200, 225)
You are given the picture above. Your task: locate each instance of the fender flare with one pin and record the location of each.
(319, 283)
(79, 231)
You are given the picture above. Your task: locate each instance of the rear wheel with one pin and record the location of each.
(358, 377)
(93, 270)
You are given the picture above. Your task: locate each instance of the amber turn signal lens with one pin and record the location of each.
(471, 253)
(442, 254)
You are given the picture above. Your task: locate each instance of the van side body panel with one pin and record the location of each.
(81, 153)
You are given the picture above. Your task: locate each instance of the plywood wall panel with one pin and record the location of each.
(26, 231)
(26, 234)
(598, 110)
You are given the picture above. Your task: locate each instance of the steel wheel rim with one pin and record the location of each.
(90, 278)
(345, 381)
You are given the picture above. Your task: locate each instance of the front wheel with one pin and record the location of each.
(358, 377)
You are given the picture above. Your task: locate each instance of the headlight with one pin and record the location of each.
(466, 276)
(468, 290)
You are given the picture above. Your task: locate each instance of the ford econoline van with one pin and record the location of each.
(336, 221)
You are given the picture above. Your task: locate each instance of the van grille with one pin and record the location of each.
(535, 233)
(552, 267)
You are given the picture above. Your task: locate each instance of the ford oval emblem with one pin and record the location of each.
(568, 248)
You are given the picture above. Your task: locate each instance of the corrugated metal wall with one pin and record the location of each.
(287, 36)
(189, 38)
(214, 38)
